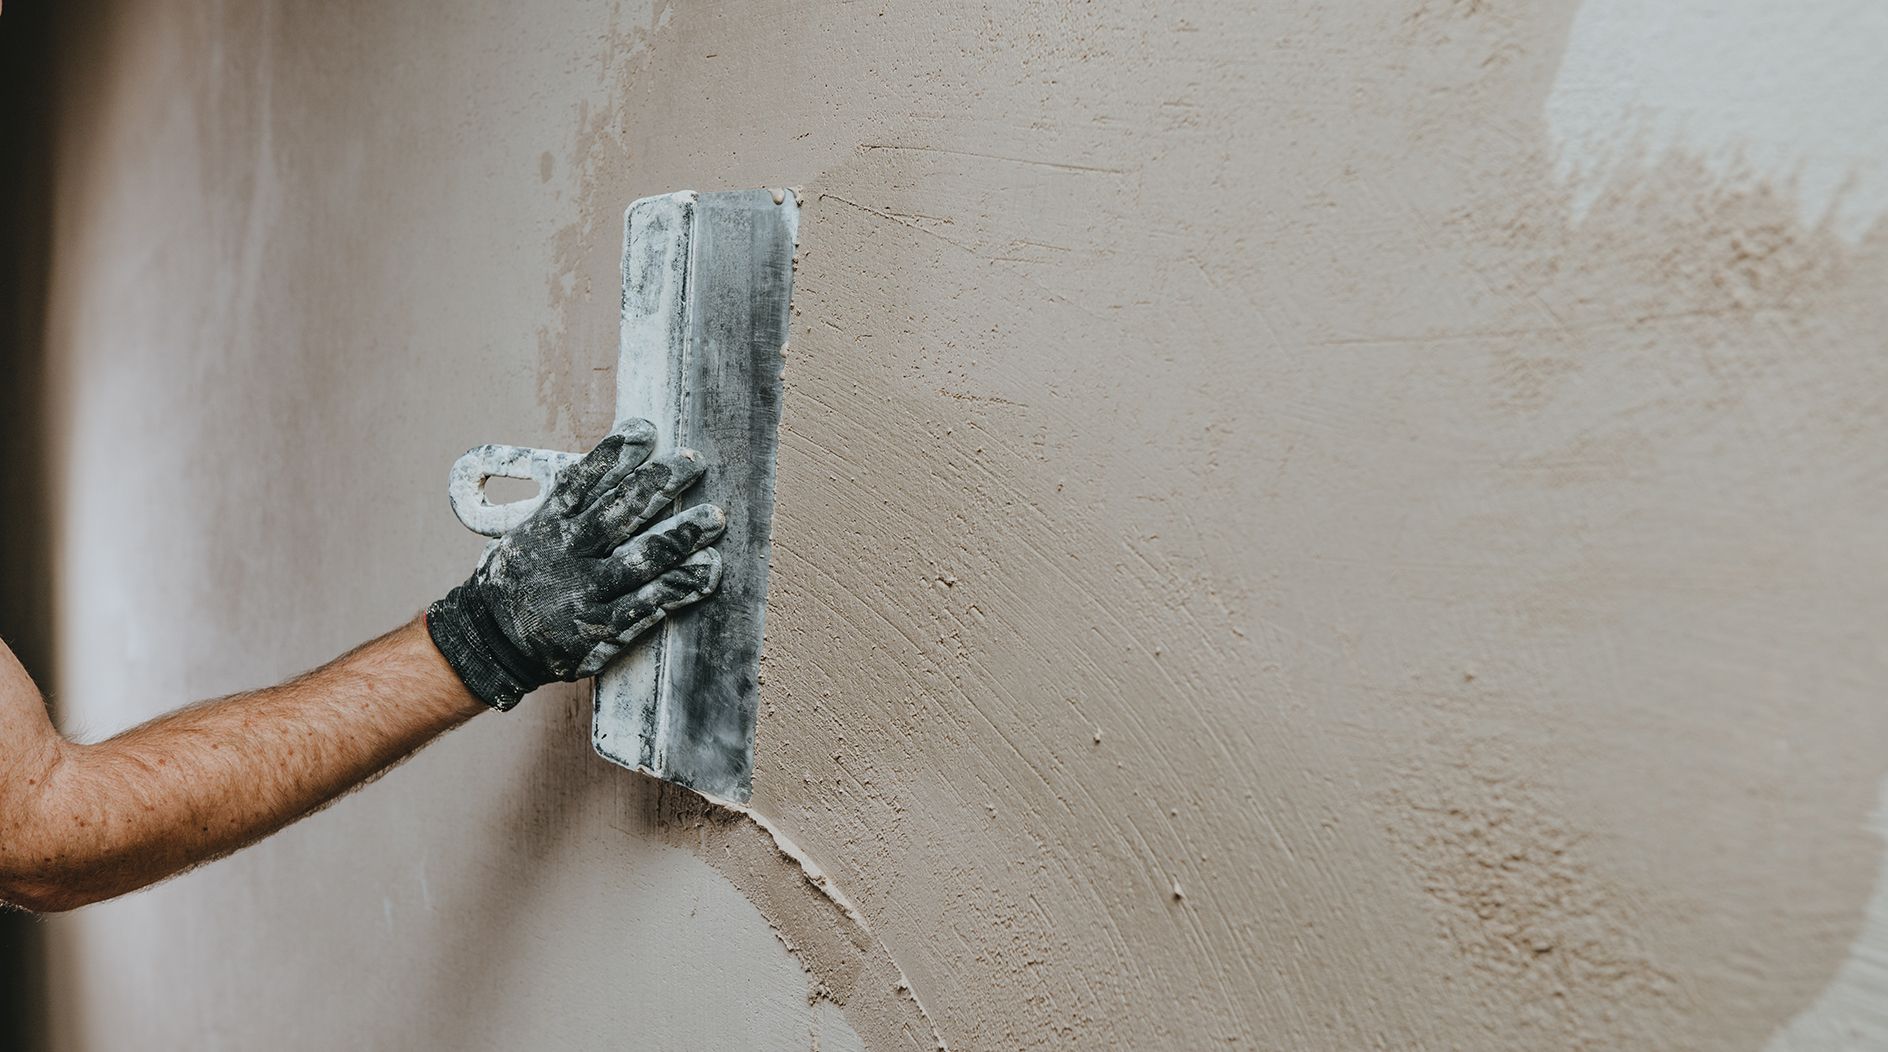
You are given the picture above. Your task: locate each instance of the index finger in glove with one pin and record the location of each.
(640, 495)
(603, 468)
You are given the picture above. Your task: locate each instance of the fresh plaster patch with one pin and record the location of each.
(1789, 94)
(851, 966)
(1852, 1012)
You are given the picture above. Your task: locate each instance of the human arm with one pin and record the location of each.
(80, 823)
(554, 599)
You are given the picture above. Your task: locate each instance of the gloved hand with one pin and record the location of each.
(564, 592)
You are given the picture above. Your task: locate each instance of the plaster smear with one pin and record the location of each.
(1790, 94)
(852, 968)
(1211, 461)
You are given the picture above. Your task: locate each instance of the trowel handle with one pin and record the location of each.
(470, 473)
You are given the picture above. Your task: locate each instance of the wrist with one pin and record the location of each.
(464, 634)
(448, 692)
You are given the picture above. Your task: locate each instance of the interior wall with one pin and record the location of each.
(1300, 525)
(282, 303)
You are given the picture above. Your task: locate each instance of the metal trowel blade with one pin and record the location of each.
(706, 282)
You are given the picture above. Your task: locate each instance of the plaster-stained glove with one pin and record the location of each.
(567, 589)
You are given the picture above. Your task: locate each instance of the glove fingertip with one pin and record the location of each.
(687, 465)
(638, 437)
(709, 521)
(600, 655)
(635, 427)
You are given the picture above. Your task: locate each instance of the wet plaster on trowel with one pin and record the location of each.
(1213, 460)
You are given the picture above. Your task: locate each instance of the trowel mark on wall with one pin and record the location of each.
(1788, 94)
(809, 869)
(1852, 1012)
(849, 964)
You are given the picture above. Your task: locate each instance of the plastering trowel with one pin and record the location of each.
(706, 282)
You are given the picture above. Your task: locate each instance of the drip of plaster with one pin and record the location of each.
(852, 967)
(1852, 1012)
(1786, 94)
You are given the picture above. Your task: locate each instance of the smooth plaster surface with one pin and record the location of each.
(1267, 555)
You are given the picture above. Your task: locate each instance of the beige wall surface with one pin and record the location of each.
(1301, 525)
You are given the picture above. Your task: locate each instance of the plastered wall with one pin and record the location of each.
(1300, 525)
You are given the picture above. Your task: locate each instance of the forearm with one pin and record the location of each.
(556, 598)
(112, 817)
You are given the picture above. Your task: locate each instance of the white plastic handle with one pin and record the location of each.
(471, 472)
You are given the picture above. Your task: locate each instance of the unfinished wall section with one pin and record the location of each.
(300, 257)
(1298, 527)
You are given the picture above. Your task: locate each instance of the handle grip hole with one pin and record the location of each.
(501, 490)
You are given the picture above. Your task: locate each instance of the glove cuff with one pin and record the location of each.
(468, 638)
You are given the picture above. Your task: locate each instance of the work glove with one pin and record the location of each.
(566, 590)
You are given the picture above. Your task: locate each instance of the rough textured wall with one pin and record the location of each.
(1301, 525)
